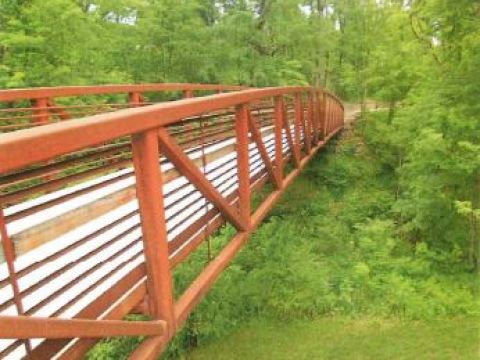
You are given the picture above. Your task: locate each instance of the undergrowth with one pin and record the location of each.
(332, 246)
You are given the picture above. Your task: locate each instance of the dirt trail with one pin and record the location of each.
(353, 110)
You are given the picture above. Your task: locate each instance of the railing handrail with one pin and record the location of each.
(29, 146)
(65, 91)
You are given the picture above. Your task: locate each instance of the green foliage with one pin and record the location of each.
(333, 246)
(118, 347)
(344, 338)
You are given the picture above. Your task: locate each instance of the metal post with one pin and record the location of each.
(135, 99)
(278, 123)
(149, 184)
(40, 111)
(243, 166)
(323, 115)
(313, 116)
(187, 94)
(9, 253)
(298, 121)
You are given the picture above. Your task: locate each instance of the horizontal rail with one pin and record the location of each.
(66, 91)
(27, 327)
(27, 108)
(26, 147)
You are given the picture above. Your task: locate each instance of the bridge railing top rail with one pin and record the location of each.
(33, 107)
(66, 91)
(29, 146)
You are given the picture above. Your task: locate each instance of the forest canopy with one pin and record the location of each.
(377, 48)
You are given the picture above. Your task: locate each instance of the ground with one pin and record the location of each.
(342, 338)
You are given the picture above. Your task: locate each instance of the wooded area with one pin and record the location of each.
(391, 223)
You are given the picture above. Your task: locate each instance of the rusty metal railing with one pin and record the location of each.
(97, 211)
(25, 108)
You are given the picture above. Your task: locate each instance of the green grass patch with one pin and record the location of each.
(343, 338)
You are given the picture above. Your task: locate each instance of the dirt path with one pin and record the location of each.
(353, 110)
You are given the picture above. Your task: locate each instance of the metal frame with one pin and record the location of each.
(317, 117)
(38, 106)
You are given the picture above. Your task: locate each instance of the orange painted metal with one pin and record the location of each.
(60, 111)
(298, 108)
(149, 192)
(135, 98)
(313, 117)
(170, 127)
(49, 348)
(175, 154)
(66, 91)
(278, 125)
(293, 148)
(27, 327)
(243, 165)
(308, 125)
(322, 114)
(119, 311)
(83, 101)
(29, 146)
(257, 137)
(9, 253)
(40, 111)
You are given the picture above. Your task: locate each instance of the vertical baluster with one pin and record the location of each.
(313, 117)
(135, 99)
(334, 125)
(308, 132)
(305, 128)
(278, 123)
(337, 117)
(329, 123)
(187, 94)
(298, 122)
(243, 165)
(324, 115)
(334, 115)
(9, 253)
(330, 115)
(149, 185)
(318, 97)
(188, 127)
(40, 111)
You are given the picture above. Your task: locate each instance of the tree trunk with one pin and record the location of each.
(391, 111)
(327, 65)
(475, 224)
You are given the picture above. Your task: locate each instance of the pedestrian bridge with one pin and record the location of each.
(104, 190)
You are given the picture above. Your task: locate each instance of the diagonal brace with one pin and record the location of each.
(257, 137)
(186, 166)
(293, 148)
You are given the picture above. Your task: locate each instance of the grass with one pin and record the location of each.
(343, 338)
